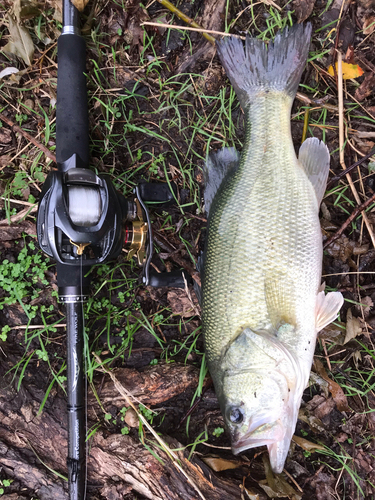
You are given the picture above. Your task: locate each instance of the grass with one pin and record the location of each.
(148, 124)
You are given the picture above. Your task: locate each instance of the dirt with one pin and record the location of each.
(163, 370)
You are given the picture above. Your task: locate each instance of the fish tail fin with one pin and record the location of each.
(256, 68)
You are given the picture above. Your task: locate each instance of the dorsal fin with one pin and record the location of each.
(314, 157)
(218, 166)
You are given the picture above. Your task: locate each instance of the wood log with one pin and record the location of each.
(32, 446)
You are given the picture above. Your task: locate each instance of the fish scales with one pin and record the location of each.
(261, 226)
(261, 303)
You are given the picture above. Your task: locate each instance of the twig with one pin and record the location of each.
(349, 169)
(19, 202)
(186, 19)
(199, 30)
(305, 124)
(355, 213)
(316, 102)
(271, 3)
(35, 327)
(19, 216)
(29, 137)
(341, 142)
(293, 480)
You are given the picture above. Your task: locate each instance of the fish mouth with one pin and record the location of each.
(263, 435)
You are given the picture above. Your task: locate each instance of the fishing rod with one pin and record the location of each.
(83, 221)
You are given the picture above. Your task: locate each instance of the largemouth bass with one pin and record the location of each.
(261, 304)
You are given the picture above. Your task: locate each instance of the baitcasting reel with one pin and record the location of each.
(83, 219)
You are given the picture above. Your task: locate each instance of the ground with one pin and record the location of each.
(159, 101)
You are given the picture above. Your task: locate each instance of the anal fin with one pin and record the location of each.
(327, 308)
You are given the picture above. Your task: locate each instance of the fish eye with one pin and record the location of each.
(236, 416)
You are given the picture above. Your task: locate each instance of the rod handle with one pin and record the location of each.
(72, 123)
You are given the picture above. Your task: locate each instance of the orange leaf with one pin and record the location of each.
(348, 71)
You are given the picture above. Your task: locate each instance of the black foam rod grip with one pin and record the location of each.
(72, 123)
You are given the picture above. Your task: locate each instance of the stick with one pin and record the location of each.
(341, 142)
(29, 137)
(199, 30)
(305, 125)
(186, 19)
(349, 169)
(356, 212)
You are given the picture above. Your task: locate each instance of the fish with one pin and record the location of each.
(262, 302)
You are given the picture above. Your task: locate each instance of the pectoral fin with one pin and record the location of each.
(314, 157)
(218, 166)
(327, 308)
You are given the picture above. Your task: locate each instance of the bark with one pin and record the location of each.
(32, 446)
(211, 19)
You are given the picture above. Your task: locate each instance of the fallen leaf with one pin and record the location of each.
(366, 88)
(181, 304)
(335, 332)
(348, 70)
(253, 495)
(369, 25)
(80, 4)
(334, 388)
(219, 464)
(324, 408)
(353, 327)
(349, 56)
(365, 305)
(5, 135)
(21, 44)
(307, 445)
(323, 384)
(275, 486)
(303, 9)
(25, 9)
(311, 420)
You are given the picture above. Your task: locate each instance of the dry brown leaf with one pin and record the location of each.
(324, 408)
(311, 420)
(80, 4)
(366, 88)
(25, 9)
(21, 44)
(303, 9)
(307, 445)
(334, 388)
(275, 486)
(219, 464)
(334, 333)
(323, 384)
(5, 135)
(369, 25)
(353, 327)
(253, 495)
(366, 303)
(181, 304)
